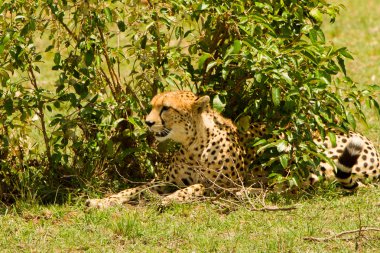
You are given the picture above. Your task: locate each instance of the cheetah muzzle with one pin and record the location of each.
(163, 133)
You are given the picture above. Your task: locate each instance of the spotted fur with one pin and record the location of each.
(355, 157)
(215, 155)
(210, 158)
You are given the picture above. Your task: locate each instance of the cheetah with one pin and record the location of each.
(210, 156)
(214, 153)
(355, 158)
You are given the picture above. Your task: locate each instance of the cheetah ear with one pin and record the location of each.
(201, 104)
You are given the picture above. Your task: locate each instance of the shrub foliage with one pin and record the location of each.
(77, 76)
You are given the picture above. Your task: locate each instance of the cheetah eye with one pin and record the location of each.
(165, 108)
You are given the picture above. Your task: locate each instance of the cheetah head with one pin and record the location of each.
(174, 114)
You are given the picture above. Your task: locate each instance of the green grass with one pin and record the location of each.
(204, 227)
(200, 227)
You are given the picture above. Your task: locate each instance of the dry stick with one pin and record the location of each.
(273, 208)
(109, 81)
(357, 245)
(64, 25)
(251, 208)
(158, 58)
(41, 115)
(336, 236)
(241, 187)
(114, 77)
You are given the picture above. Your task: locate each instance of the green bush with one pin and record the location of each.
(104, 60)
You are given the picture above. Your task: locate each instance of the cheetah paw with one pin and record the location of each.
(98, 203)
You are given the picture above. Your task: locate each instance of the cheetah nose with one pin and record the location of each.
(149, 123)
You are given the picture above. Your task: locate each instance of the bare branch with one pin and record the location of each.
(40, 113)
(114, 78)
(337, 236)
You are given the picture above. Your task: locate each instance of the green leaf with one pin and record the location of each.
(244, 123)
(37, 69)
(89, 57)
(38, 57)
(116, 123)
(237, 46)
(110, 147)
(170, 81)
(121, 25)
(344, 51)
(8, 105)
(144, 39)
(269, 145)
(57, 104)
(108, 13)
(309, 55)
(351, 120)
(218, 104)
(319, 121)
(203, 6)
(321, 35)
(282, 146)
(55, 121)
(134, 121)
(179, 32)
(332, 138)
(81, 89)
(224, 73)
(259, 142)
(341, 65)
(375, 87)
(57, 58)
(93, 100)
(211, 65)
(258, 77)
(49, 48)
(193, 49)
(284, 160)
(313, 36)
(286, 77)
(276, 96)
(202, 60)
(317, 15)
(6, 38)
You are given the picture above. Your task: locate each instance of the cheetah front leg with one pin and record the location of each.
(126, 196)
(115, 199)
(187, 194)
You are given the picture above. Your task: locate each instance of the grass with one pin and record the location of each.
(205, 227)
(200, 227)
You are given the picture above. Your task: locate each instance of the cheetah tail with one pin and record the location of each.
(346, 162)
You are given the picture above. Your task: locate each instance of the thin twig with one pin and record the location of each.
(272, 208)
(357, 238)
(60, 20)
(337, 236)
(157, 56)
(244, 193)
(114, 77)
(113, 91)
(40, 113)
